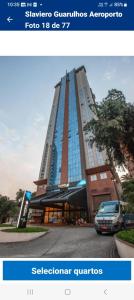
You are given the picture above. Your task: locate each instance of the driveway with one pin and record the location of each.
(64, 242)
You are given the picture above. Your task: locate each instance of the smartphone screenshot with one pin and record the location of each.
(66, 149)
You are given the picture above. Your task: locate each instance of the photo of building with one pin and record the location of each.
(74, 176)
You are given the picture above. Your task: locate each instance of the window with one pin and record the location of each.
(103, 175)
(74, 160)
(56, 161)
(93, 177)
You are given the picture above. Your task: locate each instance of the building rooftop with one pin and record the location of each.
(76, 70)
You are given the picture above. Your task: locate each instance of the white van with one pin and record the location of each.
(109, 217)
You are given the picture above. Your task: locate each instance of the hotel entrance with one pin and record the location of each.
(63, 207)
(69, 216)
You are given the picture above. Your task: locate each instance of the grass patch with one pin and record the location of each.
(26, 230)
(6, 225)
(126, 235)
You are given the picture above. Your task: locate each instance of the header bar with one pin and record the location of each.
(69, 15)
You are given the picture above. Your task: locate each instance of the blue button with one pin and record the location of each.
(67, 270)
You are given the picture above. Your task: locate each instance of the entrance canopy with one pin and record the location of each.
(56, 199)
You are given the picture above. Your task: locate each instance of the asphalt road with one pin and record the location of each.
(64, 242)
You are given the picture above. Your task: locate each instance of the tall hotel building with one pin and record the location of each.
(74, 176)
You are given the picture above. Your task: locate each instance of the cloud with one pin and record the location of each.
(8, 134)
(126, 59)
(20, 156)
(38, 120)
(109, 75)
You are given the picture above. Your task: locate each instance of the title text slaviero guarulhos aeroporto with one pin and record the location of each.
(74, 14)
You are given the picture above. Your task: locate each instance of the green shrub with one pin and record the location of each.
(26, 230)
(6, 225)
(126, 235)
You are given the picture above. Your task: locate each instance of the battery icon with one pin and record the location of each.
(23, 4)
(35, 4)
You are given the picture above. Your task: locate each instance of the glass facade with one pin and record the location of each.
(74, 156)
(56, 159)
(95, 156)
(74, 161)
(99, 156)
(91, 155)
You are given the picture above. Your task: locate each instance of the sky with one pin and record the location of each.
(26, 96)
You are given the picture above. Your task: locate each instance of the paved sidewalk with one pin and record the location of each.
(12, 237)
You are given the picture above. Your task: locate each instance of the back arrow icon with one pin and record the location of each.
(9, 19)
(106, 292)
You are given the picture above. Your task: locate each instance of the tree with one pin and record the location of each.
(125, 177)
(128, 193)
(112, 129)
(8, 208)
(19, 194)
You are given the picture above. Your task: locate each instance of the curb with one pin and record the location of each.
(125, 249)
(31, 239)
